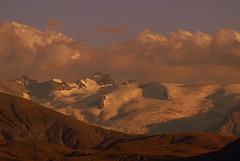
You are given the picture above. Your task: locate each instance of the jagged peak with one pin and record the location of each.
(23, 80)
(103, 79)
(25, 77)
(98, 74)
(28, 80)
(57, 80)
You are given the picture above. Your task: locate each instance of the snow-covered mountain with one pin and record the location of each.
(137, 107)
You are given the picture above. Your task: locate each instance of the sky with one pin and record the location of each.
(160, 16)
(155, 40)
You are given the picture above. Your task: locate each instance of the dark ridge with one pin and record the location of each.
(29, 131)
(29, 120)
(229, 152)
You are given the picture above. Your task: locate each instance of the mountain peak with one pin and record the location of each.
(98, 74)
(57, 80)
(103, 79)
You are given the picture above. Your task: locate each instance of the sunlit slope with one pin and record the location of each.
(150, 107)
(135, 107)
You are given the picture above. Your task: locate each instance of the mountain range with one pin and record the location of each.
(137, 107)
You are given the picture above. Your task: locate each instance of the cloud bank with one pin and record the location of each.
(177, 56)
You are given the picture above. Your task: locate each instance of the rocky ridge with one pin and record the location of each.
(137, 107)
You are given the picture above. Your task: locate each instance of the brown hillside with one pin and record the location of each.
(29, 131)
(21, 119)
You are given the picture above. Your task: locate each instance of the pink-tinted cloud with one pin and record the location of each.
(181, 56)
(120, 29)
(177, 56)
(54, 24)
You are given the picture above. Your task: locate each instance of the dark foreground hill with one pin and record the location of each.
(29, 131)
(229, 152)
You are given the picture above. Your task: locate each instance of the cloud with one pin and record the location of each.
(120, 29)
(177, 56)
(54, 24)
(25, 50)
(180, 56)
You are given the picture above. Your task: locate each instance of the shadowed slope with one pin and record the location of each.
(27, 128)
(231, 124)
(228, 152)
(32, 150)
(21, 119)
